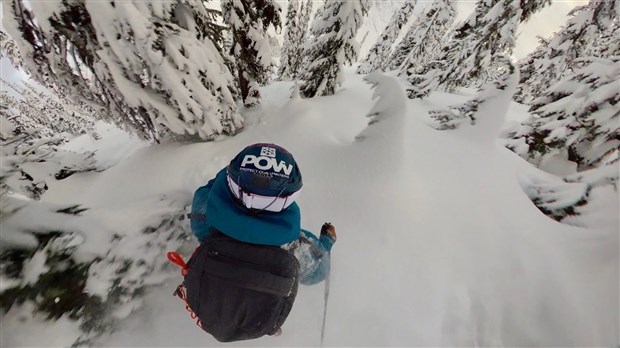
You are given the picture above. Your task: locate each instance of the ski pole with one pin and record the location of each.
(325, 308)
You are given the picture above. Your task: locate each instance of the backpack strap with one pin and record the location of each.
(175, 258)
(180, 293)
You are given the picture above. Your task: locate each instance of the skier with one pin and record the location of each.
(241, 281)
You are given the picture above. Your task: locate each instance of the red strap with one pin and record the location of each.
(175, 258)
(180, 292)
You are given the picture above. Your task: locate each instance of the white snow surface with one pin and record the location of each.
(6, 127)
(35, 267)
(40, 331)
(438, 245)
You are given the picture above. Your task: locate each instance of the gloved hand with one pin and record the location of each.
(328, 229)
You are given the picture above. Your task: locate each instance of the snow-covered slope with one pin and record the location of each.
(437, 243)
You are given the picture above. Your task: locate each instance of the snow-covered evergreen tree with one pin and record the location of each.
(46, 262)
(386, 125)
(150, 66)
(202, 21)
(9, 49)
(23, 114)
(19, 148)
(304, 19)
(486, 111)
(24, 148)
(529, 70)
(580, 199)
(249, 21)
(305, 36)
(299, 45)
(435, 74)
(529, 7)
(377, 57)
(468, 57)
(174, 74)
(607, 44)
(52, 115)
(423, 40)
(291, 48)
(576, 120)
(583, 35)
(54, 52)
(205, 21)
(334, 31)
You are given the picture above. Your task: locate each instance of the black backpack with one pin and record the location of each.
(239, 291)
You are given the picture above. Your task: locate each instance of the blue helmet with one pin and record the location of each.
(262, 173)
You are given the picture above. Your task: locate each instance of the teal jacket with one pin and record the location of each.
(214, 207)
